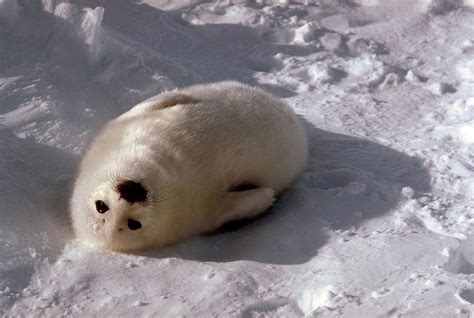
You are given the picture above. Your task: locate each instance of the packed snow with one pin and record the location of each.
(381, 223)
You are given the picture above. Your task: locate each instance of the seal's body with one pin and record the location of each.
(185, 162)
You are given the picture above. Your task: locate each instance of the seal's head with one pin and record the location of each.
(122, 215)
(119, 213)
(133, 195)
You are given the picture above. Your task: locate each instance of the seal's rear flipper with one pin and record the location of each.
(238, 205)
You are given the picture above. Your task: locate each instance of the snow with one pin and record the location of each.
(381, 223)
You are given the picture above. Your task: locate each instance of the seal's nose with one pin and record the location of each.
(134, 224)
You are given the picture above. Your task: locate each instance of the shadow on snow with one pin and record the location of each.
(348, 181)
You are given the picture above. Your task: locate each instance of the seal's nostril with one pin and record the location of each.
(134, 224)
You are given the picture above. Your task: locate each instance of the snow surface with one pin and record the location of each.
(380, 224)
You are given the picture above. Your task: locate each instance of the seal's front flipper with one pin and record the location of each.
(238, 205)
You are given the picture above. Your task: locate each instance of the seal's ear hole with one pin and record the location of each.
(131, 191)
(101, 207)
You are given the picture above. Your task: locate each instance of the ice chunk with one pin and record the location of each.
(441, 88)
(305, 33)
(87, 23)
(90, 29)
(332, 41)
(461, 261)
(412, 77)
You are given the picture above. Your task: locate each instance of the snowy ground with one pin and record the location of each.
(380, 224)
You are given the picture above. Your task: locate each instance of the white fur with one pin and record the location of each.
(187, 156)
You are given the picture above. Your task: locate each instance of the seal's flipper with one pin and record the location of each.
(238, 205)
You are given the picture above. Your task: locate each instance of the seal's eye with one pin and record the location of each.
(101, 207)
